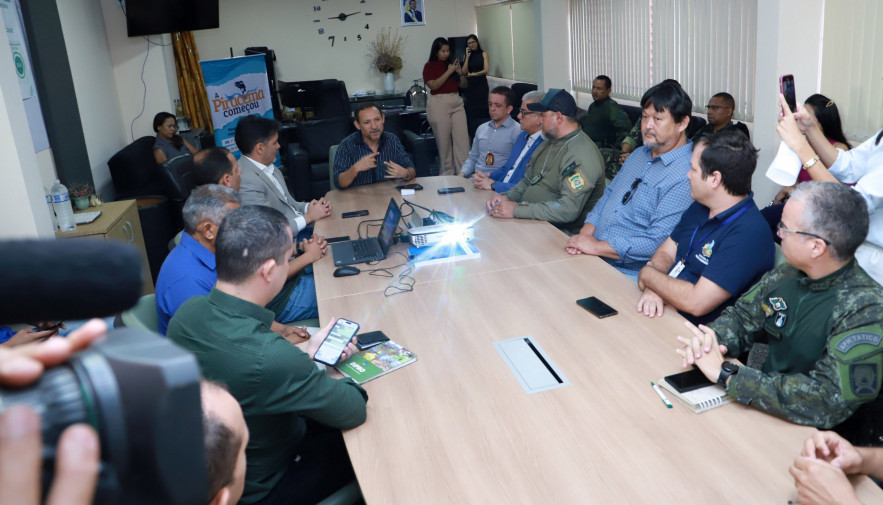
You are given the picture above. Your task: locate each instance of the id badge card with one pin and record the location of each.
(676, 270)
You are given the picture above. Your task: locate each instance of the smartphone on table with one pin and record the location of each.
(355, 213)
(447, 191)
(338, 338)
(597, 307)
(414, 186)
(786, 85)
(370, 339)
(688, 381)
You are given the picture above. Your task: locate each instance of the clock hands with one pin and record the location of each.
(343, 16)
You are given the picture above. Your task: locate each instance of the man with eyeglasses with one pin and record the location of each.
(820, 314)
(493, 140)
(720, 117)
(565, 176)
(506, 177)
(645, 201)
(720, 247)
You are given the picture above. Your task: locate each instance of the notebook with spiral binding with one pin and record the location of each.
(699, 400)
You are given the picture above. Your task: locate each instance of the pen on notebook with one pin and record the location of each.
(661, 396)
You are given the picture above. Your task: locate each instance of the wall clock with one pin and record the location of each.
(341, 21)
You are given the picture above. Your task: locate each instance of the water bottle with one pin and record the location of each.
(51, 210)
(61, 202)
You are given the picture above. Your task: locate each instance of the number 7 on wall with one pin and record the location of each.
(331, 38)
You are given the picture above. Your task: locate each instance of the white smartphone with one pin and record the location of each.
(341, 334)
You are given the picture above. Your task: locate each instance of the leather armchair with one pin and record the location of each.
(176, 175)
(307, 164)
(134, 170)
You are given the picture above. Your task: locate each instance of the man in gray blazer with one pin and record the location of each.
(262, 184)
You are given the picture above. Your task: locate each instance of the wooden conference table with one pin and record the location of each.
(456, 426)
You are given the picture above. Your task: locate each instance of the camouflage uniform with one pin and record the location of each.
(571, 183)
(825, 350)
(606, 123)
(611, 155)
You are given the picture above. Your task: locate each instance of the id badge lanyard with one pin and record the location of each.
(679, 266)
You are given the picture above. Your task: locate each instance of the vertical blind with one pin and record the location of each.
(638, 43)
(852, 64)
(508, 33)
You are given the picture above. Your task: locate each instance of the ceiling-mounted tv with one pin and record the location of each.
(152, 17)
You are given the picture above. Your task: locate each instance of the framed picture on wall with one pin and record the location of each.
(413, 13)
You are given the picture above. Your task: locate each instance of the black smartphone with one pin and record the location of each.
(786, 85)
(446, 191)
(413, 186)
(48, 325)
(332, 240)
(597, 307)
(331, 348)
(370, 339)
(688, 381)
(355, 213)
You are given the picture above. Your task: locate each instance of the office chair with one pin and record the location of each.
(142, 315)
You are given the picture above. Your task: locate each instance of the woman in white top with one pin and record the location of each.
(862, 166)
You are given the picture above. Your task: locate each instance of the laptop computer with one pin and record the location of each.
(363, 250)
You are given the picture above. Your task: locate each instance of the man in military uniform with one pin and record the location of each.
(565, 177)
(605, 122)
(821, 314)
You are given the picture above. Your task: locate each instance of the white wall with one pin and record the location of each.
(22, 201)
(554, 44)
(97, 99)
(302, 54)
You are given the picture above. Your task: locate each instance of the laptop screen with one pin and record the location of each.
(388, 228)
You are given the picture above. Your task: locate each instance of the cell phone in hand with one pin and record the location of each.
(688, 381)
(447, 191)
(786, 85)
(355, 213)
(370, 339)
(597, 307)
(334, 344)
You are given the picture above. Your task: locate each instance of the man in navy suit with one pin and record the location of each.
(503, 178)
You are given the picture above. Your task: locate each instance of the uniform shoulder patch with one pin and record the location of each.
(859, 361)
(576, 181)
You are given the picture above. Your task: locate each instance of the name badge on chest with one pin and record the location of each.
(676, 270)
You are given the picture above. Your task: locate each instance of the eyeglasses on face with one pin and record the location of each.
(524, 112)
(716, 107)
(781, 228)
(631, 192)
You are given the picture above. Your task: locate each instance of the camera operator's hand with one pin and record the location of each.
(77, 462)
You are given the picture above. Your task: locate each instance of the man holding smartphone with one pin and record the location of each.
(370, 155)
(293, 410)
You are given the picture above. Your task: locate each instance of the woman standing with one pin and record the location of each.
(168, 143)
(444, 107)
(476, 93)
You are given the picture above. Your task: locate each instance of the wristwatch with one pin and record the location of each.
(728, 368)
(494, 186)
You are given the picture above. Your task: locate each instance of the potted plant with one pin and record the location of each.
(385, 53)
(80, 194)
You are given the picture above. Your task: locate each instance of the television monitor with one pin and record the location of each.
(152, 17)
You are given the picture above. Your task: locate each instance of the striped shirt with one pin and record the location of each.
(635, 230)
(353, 148)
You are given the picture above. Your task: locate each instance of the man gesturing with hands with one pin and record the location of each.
(370, 155)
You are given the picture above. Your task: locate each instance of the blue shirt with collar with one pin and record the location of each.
(189, 270)
(353, 148)
(499, 174)
(635, 230)
(733, 249)
(490, 138)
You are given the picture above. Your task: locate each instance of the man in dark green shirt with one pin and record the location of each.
(821, 315)
(289, 404)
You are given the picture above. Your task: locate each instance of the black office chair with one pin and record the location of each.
(177, 178)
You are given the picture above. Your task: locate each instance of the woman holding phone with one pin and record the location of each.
(444, 107)
(862, 166)
(476, 94)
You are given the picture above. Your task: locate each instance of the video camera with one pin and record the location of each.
(139, 391)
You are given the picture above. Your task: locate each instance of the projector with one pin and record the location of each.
(446, 233)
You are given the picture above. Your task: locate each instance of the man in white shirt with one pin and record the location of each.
(262, 184)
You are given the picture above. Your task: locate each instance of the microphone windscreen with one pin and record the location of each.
(57, 280)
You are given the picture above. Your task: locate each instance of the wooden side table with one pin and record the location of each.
(118, 221)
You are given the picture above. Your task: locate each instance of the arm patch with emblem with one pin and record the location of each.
(859, 356)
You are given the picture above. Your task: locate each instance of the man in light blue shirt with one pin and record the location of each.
(493, 140)
(642, 205)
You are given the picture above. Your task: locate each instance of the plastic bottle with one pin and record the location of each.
(61, 202)
(51, 210)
